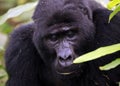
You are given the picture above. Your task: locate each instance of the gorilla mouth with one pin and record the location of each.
(71, 70)
(67, 73)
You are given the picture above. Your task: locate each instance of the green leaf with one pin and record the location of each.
(14, 12)
(98, 53)
(6, 28)
(111, 65)
(3, 72)
(1, 48)
(1, 67)
(117, 9)
(113, 3)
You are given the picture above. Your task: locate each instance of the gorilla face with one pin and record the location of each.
(62, 41)
(62, 36)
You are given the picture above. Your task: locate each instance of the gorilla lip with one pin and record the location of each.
(69, 71)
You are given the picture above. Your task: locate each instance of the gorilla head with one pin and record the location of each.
(64, 30)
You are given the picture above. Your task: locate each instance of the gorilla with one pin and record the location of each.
(41, 53)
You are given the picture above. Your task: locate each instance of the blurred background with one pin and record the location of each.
(20, 11)
(7, 26)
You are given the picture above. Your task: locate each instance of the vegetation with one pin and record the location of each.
(21, 13)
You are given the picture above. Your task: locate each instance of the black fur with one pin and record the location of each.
(30, 63)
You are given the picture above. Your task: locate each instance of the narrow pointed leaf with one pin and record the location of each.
(111, 65)
(14, 12)
(114, 12)
(98, 53)
(113, 3)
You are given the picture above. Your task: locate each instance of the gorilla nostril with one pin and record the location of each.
(69, 58)
(65, 61)
(61, 59)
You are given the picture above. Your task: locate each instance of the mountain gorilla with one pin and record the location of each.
(42, 53)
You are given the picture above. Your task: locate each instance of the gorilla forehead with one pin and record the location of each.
(47, 8)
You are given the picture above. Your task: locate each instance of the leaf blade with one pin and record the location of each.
(14, 12)
(111, 65)
(113, 3)
(98, 53)
(114, 12)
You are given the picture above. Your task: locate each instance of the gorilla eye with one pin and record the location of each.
(71, 34)
(53, 37)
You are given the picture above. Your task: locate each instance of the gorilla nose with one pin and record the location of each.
(65, 61)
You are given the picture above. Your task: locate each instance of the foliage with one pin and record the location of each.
(17, 15)
(105, 50)
(111, 65)
(98, 53)
(3, 74)
(14, 12)
(115, 5)
(6, 28)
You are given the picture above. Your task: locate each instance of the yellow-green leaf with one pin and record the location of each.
(98, 53)
(1, 48)
(117, 9)
(111, 65)
(113, 3)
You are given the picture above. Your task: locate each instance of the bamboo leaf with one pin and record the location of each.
(111, 65)
(98, 53)
(113, 3)
(117, 9)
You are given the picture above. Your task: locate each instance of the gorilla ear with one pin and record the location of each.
(86, 11)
